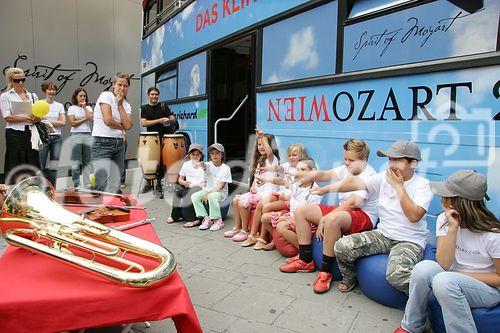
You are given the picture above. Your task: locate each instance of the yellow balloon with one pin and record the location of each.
(40, 109)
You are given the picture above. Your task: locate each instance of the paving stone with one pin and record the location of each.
(214, 273)
(252, 326)
(208, 292)
(309, 316)
(214, 321)
(258, 305)
(261, 283)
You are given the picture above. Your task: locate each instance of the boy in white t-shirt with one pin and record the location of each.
(218, 177)
(404, 198)
(111, 119)
(356, 212)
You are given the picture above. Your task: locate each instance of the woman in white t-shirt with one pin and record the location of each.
(191, 180)
(467, 272)
(57, 118)
(81, 116)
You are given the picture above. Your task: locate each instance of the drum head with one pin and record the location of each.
(173, 135)
(149, 133)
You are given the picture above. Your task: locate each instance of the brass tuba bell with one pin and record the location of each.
(31, 219)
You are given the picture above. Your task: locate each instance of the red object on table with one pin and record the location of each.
(40, 294)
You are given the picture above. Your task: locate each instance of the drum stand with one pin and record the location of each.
(156, 183)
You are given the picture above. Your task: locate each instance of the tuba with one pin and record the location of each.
(31, 219)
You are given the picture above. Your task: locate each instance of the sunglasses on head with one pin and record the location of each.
(19, 80)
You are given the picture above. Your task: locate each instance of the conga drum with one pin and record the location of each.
(172, 154)
(148, 152)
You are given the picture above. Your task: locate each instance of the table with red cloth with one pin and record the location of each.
(40, 294)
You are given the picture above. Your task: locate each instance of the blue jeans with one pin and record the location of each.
(54, 148)
(457, 294)
(81, 144)
(108, 159)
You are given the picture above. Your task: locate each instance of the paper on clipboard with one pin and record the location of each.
(21, 108)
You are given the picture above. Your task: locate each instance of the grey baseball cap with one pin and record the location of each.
(467, 184)
(402, 148)
(217, 146)
(195, 146)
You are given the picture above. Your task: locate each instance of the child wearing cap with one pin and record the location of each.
(191, 180)
(403, 200)
(467, 272)
(218, 176)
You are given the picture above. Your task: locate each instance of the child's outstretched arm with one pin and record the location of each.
(273, 180)
(315, 176)
(272, 168)
(412, 211)
(347, 185)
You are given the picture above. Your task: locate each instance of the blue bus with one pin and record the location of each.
(320, 72)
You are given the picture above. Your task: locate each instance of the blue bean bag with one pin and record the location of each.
(487, 319)
(317, 252)
(372, 282)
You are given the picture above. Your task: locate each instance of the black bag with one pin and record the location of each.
(42, 132)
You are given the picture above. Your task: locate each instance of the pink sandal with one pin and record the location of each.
(231, 233)
(241, 236)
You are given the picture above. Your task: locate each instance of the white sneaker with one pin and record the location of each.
(218, 224)
(207, 223)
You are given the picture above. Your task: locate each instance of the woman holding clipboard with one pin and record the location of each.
(20, 158)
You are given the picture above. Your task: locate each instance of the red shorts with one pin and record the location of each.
(359, 220)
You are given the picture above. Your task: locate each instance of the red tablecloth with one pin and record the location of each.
(40, 294)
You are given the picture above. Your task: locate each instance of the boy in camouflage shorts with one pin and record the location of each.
(404, 198)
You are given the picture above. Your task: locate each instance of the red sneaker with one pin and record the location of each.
(400, 330)
(322, 283)
(298, 265)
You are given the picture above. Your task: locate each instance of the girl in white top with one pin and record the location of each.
(299, 194)
(467, 272)
(57, 118)
(277, 201)
(18, 150)
(265, 155)
(192, 179)
(80, 116)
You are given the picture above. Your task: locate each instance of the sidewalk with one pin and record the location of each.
(237, 289)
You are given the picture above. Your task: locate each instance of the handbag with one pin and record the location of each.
(43, 133)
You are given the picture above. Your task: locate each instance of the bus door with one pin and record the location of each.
(232, 77)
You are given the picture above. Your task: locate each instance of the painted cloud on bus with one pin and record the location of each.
(300, 47)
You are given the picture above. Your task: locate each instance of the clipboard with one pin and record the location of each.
(20, 108)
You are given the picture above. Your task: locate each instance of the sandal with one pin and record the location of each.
(249, 241)
(347, 288)
(260, 244)
(269, 246)
(241, 236)
(170, 220)
(192, 224)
